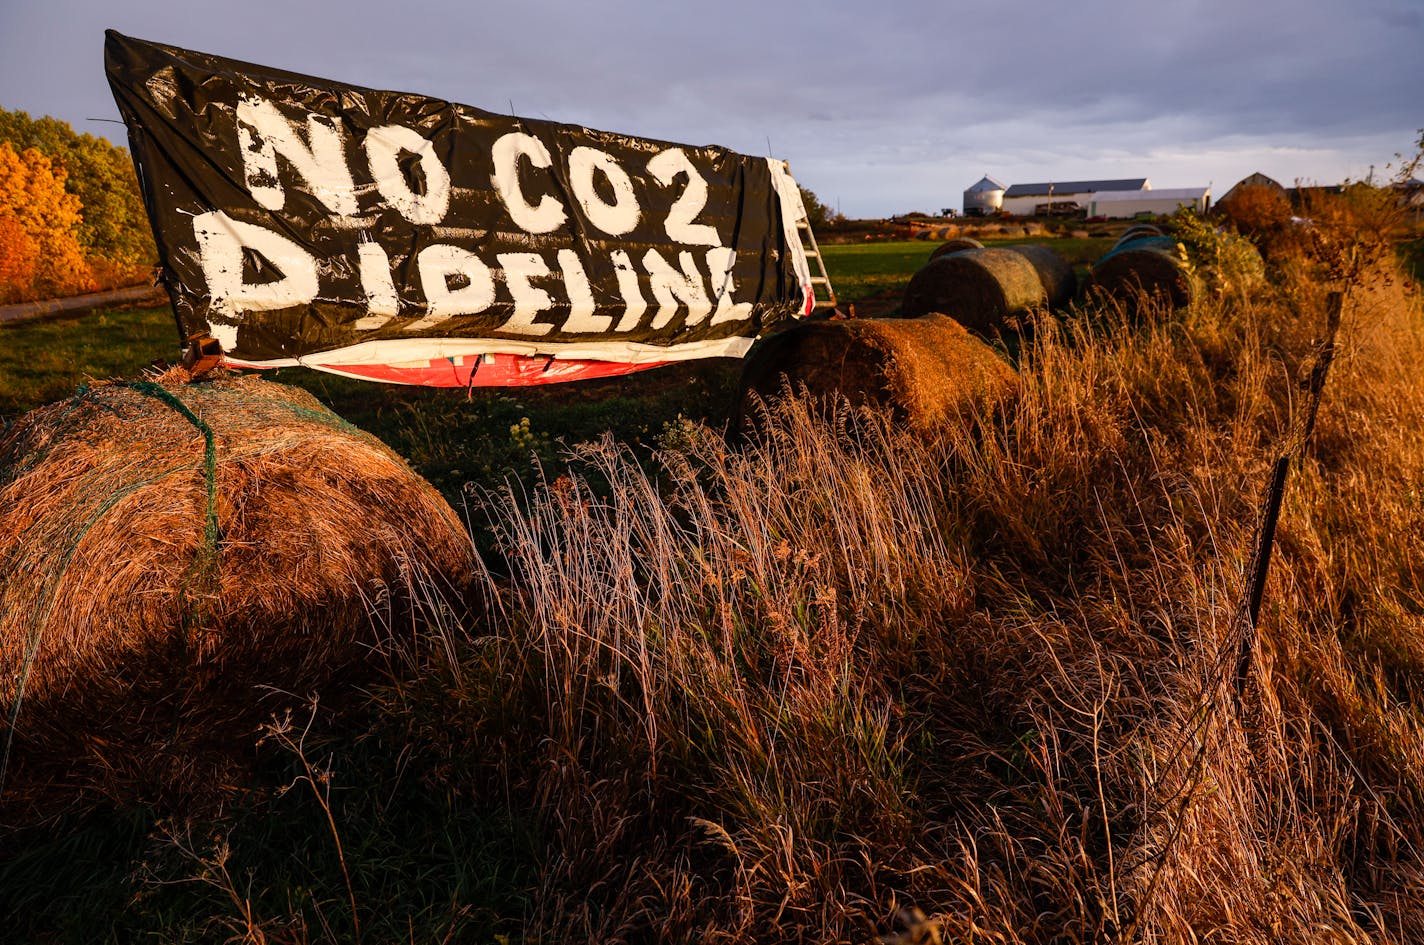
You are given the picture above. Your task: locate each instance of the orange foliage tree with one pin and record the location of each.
(114, 233)
(40, 255)
(18, 256)
(1263, 214)
(1257, 210)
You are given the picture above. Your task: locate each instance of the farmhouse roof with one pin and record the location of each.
(1074, 187)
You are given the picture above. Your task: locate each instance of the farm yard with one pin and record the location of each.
(842, 680)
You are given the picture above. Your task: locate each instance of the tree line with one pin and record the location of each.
(71, 217)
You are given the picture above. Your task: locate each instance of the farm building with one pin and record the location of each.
(984, 198)
(1252, 180)
(1411, 193)
(1125, 204)
(1056, 196)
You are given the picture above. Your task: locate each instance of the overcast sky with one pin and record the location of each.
(881, 106)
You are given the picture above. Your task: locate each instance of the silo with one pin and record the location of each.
(984, 199)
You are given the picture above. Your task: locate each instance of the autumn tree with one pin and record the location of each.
(18, 258)
(40, 255)
(1256, 210)
(115, 233)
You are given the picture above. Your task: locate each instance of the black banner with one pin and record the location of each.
(305, 221)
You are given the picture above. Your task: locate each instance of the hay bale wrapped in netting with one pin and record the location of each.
(1054, 272)
(925, 370)
(982, 289)
(1136, 232)
(1157, 241)
(1153, 267)
(955, 246)
(160, 537)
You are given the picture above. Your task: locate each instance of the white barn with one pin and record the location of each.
(1027, 199)
(1123, 205)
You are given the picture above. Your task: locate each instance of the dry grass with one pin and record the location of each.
(850, 682)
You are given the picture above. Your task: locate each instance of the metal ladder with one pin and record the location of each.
(813, 252)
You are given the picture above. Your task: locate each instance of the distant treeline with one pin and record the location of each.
(71, 218)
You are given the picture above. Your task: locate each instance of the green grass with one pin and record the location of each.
(44, 361)
(1411, 253)
(861, 270)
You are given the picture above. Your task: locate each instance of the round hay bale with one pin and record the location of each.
(1054, 272)
(979, 288)
(954, 246)
(170, 549)
(1128, 274)
(925, 370)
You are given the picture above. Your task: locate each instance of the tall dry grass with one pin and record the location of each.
(847, 683)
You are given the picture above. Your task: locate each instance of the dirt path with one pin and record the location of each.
(79, 304)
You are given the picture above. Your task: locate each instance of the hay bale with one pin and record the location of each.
(980, 288)
(1138, 231)
(955, 246)
(1162, 244)
(925, 370)
(1145, 268)
(167, 547)
(1054, 272)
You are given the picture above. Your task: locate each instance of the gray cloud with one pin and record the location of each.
(888, 107)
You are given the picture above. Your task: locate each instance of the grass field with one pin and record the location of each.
(859, 270)
(844, 683)
(449, 437)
